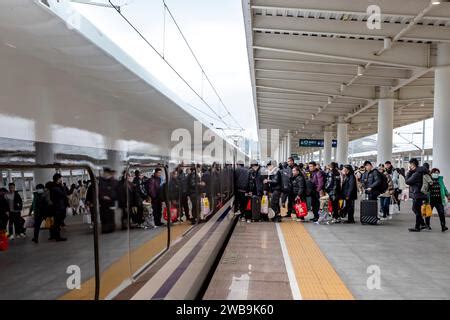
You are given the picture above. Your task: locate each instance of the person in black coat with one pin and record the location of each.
(240, 187)
(349, 193)
(273, 186)
(107, 196)
(414, 179)
(371, 179)
(193, 185)
(60, 203)
(183, 193)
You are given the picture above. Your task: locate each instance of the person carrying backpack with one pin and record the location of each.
(414, 179)
(40, 207)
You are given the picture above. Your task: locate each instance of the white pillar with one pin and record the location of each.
(288, 139)
(385, 125)
(320, 156)
(342, 142)
(441, 134)
(327, 146)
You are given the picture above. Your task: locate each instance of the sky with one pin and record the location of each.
(215, 31)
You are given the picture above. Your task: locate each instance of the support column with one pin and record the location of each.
(441, 134)
(288, 139)
(342, 141)
(385, 125)
(327, 146)
(320, 157)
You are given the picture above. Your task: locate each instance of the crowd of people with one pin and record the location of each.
(333, 190)
(139, 196)
(328, 193)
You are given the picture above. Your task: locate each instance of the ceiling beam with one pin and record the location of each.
(344, 49)
(348, 28)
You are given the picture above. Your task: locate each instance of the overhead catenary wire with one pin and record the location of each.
(199, 64)
(167, 62)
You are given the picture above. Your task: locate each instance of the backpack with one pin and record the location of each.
(427, 181)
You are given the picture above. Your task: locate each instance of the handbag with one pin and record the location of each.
(301, 209)
(205, 209)
(265, 204)
(87, 218)
(426, 210)
(29, 222)
(48, 223)
(393, 207)
(173, 214)
(3, 241)
(249, 205)
(271, 213)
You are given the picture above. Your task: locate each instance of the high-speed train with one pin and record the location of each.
(74, 102)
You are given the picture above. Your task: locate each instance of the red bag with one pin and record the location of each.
(3, 241)
(301, 209)
(249, 205)
(173, 214)
(330, 207)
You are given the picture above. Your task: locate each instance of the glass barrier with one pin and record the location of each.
(51, 252)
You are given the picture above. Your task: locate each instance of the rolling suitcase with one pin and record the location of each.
(256, 208)
(369, 212)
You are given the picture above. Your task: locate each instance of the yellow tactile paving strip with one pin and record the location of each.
(316, 277)
(120, 270)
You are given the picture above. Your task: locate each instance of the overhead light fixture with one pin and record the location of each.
(330, 100)
(320, 109)
(342, 87)
(10, 45)
(435, 2)
(313, 117)
(360, 70)
(422, 104)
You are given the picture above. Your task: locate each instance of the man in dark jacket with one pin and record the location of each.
(15, 204)
(183, 189)
(255, 184)
(154, 191)
(372, 182)
(107, 197)
(241, 187)
(273, 183)
(40, 208)
(286, 174)
(193, 185)
(60, 203)
(318, 181)
(414, 179)
(349, 192)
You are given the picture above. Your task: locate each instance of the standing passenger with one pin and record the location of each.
(349, 193)
(154, 192)
(414, 179)
(318, 183)
(15, 204)
(59, 201)
(438, 195)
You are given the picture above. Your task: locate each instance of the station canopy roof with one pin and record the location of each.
(313, 61)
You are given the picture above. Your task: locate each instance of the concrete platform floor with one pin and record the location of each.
(373, 262)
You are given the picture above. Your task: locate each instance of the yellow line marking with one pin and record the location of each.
(315, 275)
(119, 270)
